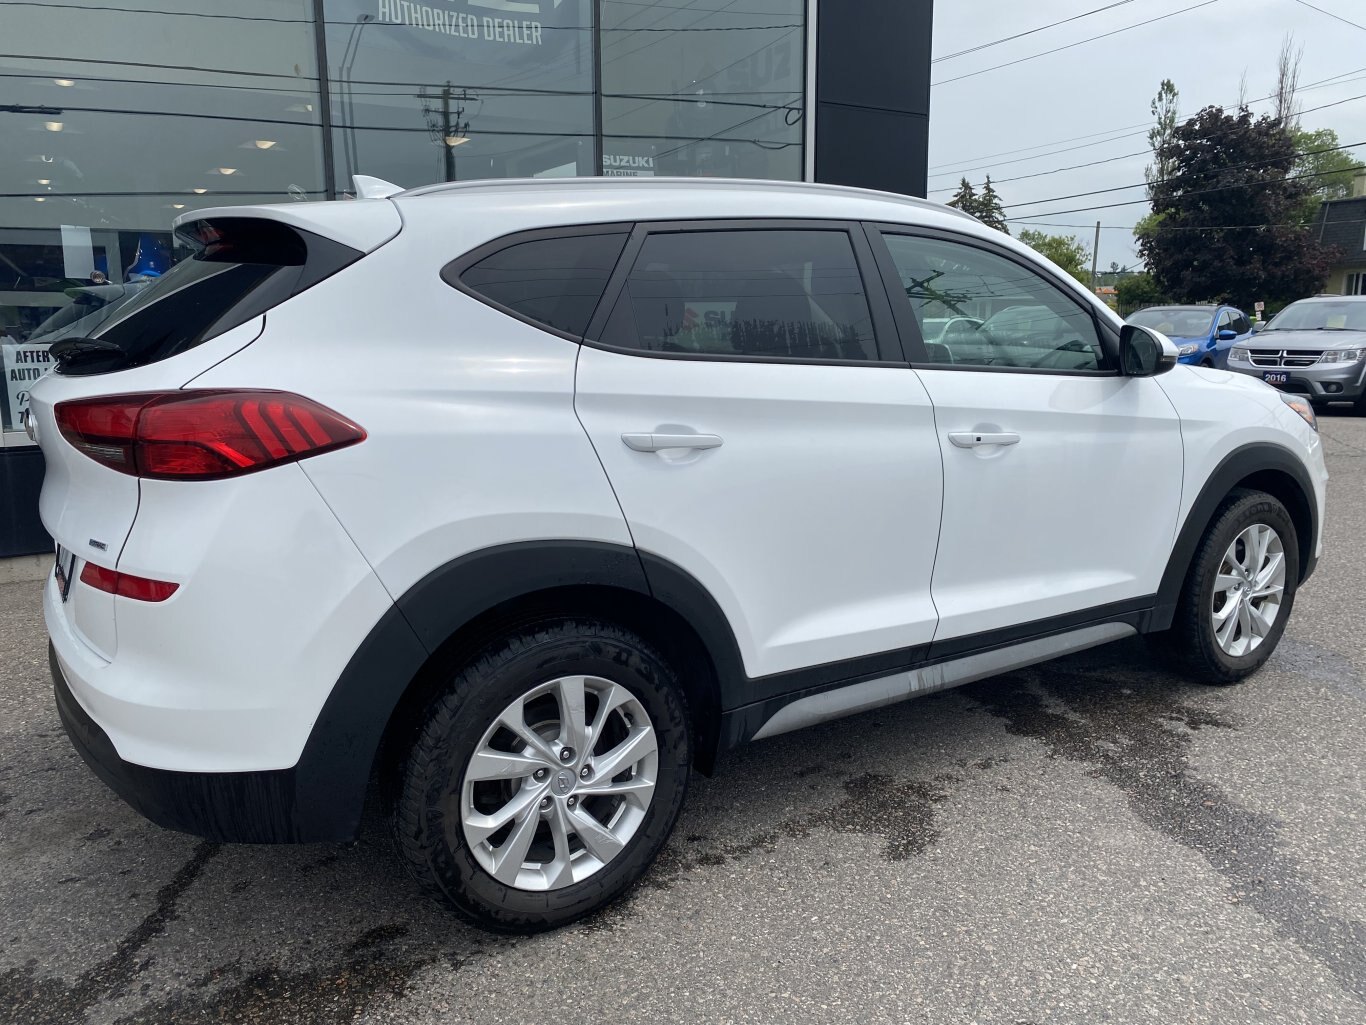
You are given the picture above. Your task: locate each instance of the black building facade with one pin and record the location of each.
(116, 120)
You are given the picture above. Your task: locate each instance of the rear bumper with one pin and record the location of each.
(233, 807)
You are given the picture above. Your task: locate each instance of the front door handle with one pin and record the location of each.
(659, 442)
(974, 439)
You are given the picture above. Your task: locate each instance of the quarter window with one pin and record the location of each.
(759, 293)
(552, 281)
(976, 308)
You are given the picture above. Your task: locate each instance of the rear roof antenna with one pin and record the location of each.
(367, 187)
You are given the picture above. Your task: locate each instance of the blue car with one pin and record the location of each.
(1204, 334)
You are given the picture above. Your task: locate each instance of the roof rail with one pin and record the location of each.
(587, 183)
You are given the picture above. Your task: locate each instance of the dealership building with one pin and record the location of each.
(117, 119)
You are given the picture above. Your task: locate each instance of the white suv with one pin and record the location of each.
(528, 497)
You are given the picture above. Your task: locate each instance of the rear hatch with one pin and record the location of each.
(155, 339)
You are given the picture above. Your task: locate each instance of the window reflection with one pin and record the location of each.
(703, 87)
(114, 122)
(450, 91)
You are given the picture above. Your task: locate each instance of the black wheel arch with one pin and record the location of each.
(1261, 466)
(456, 610)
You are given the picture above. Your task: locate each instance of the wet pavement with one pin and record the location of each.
(1087, 841)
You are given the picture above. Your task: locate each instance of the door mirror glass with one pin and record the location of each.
(1145, 353)
(1227, 335)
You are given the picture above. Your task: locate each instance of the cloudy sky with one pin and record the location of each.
(1090, 102)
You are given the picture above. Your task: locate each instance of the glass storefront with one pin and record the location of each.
(116, 120)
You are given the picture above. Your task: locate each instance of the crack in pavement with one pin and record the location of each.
(1127, 736)
(29, 998)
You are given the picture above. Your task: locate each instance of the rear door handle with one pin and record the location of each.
(659, 442)
(973, 439)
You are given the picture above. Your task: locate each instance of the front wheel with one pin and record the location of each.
(1239, 590)
(546, 778)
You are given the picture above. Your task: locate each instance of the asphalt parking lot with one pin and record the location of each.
(1089, 841)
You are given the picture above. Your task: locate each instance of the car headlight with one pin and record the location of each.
(1342, 356)
(1189, 349)
(1240, 354)
(1301, 406)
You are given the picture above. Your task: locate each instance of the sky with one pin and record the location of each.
(1011, 122)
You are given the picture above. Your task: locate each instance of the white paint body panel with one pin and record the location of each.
(1221, 412)
(813, 525)
(1081, 512)
(229, 673)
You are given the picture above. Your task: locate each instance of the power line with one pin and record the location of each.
(1182, 227)
(1142, 127)
(1030, 32)
(1080, 42)
(1120, 188)
(1339, 17)
(1198, 192)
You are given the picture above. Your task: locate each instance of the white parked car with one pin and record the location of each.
(529, 497)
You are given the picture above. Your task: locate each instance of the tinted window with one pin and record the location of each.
(768, 293)
(238, 268)
(979, 309)
(553, 281)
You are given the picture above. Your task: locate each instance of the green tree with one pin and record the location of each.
(1166, 108)
(1320, 154)
(1138, 290)
(965, 198)
(1227, 215)
(1067, 251)
(989, 209)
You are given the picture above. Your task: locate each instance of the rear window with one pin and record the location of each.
(555, 282)
(236, 269)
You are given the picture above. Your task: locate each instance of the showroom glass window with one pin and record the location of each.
(703, 87)
(128, 118)
(452, 90)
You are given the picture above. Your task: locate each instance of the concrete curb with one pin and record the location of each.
(24, 568)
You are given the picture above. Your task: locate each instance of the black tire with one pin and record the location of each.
(426, 813)
(1191, 646)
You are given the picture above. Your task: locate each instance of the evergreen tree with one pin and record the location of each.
(965, 198)
(989, 209)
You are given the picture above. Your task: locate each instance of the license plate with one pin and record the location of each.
(66, 566)
(1276, 377)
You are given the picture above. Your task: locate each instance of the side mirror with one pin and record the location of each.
(1258, 325)
(1145, 353)
(1227, 335)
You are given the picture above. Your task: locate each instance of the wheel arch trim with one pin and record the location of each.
(1247, 461)
(345, 741)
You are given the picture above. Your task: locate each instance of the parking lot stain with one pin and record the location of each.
(1136, 737)
(900, 811)
(28, 998)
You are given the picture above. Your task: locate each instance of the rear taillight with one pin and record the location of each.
(125, 585)
(202, 435)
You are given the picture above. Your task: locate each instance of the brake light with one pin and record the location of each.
(202, 435)
(125, 585)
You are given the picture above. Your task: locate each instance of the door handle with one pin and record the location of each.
(974, 439)
(659, 442)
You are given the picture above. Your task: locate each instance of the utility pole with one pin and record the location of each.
(1095, 260)
(447, 149)
(447, 124)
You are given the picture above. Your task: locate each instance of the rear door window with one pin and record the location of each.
(553, 282)
(753, 293)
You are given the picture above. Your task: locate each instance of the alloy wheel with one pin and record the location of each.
(1248, 590)
(560, 783)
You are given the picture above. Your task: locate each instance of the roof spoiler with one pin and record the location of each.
(366, 187)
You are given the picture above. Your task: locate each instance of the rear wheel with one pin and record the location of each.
(1238, 592)
(546, 778)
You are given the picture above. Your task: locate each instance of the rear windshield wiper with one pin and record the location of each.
(68, 350)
